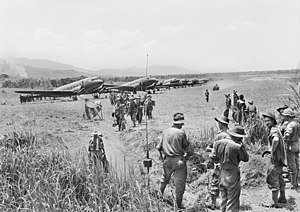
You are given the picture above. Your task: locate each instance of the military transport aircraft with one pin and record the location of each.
(89, 85)
(193, 82)
(141, 84)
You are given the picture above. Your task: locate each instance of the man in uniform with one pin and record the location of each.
(227, 105)
(97, 151)
(223, 122)
(139, 104)
(229, 153)
(291, 139)
(241, 106)
(132, 111)
(275, 180)
(235, 98)
(251, 108)
(281, 122)
(207, 95)
(117, 111)
(173, 143)
(149, 104)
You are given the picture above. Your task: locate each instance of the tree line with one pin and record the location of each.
(39, 83)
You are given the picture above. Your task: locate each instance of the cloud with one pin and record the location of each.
(172, 30)
(240, 26)
(231, 27)
(119, 40)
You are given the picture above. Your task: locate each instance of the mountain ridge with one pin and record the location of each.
(42, 68)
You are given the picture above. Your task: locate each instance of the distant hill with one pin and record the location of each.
(152, 70)
(19, 70)
(34, 72)
(47, 64)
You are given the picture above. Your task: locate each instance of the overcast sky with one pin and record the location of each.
(223, 35)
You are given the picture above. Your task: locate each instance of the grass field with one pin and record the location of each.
(61, 127)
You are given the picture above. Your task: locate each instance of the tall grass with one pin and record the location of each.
(34, 180)
(257, 132)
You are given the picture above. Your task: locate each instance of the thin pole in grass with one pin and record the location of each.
(147, 161)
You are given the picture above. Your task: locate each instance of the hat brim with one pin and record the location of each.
(281, 108)
(236, 135)
(222, 121)
(178, 122)
(266, 115)
(284, 114)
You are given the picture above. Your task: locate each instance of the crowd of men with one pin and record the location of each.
(134, 106)
(227, 150)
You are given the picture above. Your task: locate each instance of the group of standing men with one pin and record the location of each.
(241, 111)
(284, 135)
(227, 151)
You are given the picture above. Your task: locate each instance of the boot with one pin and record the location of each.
(275, 199)
(294, 180)
(282, 198)
(213, 205)
(214, 201)
(297, 179)
(179, 201)
(162, 189)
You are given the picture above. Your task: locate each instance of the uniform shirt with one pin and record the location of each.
(173, 142)
(241, 104)
(220, 135)
(292, 132)
(252, 109)
(228, 102)
(235, 99)
(229, 153)
(282, 125)
(277, 147)
(132, 107)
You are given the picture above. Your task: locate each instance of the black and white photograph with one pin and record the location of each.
(149, 105)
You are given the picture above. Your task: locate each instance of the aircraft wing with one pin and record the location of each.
(119, 87)
(49, 93)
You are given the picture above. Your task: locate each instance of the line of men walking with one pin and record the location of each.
(135, 107)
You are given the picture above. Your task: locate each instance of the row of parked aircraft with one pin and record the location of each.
(92, 85)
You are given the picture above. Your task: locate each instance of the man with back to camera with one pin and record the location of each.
(223, 122)
(97, 151)
(275, 180)
(251, 108)
(227, 105)
(173, 143)
(229, 153)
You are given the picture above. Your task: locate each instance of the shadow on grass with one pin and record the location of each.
(290, 205)
(245, 207)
